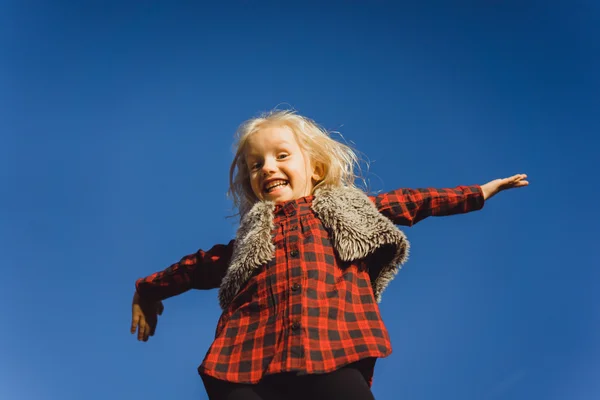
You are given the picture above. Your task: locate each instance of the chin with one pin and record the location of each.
(278, 199)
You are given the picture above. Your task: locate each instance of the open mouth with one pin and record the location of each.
(274, 185)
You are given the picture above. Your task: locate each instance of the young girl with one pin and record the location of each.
(300, 283)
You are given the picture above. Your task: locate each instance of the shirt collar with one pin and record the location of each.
(290, 207)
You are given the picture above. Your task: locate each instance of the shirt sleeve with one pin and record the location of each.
(409, 206)
(201, 270)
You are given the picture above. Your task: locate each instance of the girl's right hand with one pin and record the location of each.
(144, 317)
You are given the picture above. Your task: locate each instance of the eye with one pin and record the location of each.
(282, 156)
(255, 166)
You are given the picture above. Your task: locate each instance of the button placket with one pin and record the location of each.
(294, 277)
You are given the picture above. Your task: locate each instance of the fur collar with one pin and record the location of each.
(358, 231)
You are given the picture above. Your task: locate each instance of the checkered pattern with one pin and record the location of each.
(306, 310)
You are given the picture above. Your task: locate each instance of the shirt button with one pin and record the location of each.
(295, 325)
(296, 287)
(294, 253)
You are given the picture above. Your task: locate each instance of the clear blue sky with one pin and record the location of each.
(116, 128)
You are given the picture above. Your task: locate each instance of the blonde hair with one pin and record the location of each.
(338, 160)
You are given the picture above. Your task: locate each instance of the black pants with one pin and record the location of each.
(347, 383)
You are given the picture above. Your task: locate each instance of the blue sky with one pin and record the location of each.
(116, 128)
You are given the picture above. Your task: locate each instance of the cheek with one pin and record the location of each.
(254, 183)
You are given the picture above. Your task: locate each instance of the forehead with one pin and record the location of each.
(269, 138)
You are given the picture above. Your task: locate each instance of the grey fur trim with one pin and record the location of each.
(358, 230)
(253, 247)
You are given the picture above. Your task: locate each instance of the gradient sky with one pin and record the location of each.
(116, 129)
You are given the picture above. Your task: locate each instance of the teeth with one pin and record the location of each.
(274, 184)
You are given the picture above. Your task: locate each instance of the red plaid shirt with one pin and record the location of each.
(305, 311)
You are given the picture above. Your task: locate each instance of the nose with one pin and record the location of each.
(268, 167)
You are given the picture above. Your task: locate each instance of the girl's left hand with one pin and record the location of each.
(498, 185)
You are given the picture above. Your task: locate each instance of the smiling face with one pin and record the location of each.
(277, 167)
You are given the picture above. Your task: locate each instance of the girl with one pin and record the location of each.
(300, 283)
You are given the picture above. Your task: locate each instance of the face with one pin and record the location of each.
(279, 170)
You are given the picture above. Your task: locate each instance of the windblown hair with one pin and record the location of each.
(338, 159)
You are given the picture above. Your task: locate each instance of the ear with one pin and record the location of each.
(318, 172)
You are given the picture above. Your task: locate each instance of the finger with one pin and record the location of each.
(151, 323)
(517, 184)
(519, 177)
(135, 319)
(512, 180)
(142, 328)
(146, 332)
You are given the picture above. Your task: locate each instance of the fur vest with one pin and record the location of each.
(357, 230)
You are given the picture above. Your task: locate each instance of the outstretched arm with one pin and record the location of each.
(409, 206)
(201, 270)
